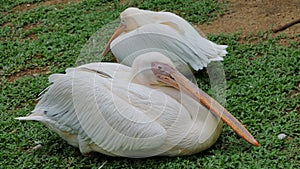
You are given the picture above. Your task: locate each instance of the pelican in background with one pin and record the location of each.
(142, 30)
(148, 110)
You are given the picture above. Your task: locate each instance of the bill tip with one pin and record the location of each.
(255, 143)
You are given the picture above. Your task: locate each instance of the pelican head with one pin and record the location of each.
(132, 18)
(142, 68)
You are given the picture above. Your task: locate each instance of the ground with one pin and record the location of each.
(243, 16)
(256, 15)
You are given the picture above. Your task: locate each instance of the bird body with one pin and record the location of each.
(130, 112)
(97, 107)
(142, 31)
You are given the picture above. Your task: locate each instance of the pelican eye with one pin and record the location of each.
(159, 67)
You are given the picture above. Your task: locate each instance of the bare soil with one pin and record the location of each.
(251, 16)
(27, 72)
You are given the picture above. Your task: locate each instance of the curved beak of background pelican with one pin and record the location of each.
(172, 77)
(118, 32)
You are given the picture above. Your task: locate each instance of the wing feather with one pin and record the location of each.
(124, 119)
(160, 37)
(110, 120)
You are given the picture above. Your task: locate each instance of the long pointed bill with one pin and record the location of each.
(172, 77)
(120, 30)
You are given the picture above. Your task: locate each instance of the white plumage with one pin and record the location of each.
(97, 107)
(121, 111)
(142, 31)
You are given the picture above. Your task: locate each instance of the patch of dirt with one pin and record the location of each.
(59, 4)
(28, 72)
(6, 24)
(24, 7)
(251, 16)
(293, 93)
(31, 36)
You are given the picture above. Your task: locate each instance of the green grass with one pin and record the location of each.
(262, 79)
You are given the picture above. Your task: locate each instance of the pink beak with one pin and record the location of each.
(172, 77)
(119, 31)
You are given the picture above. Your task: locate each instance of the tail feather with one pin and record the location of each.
(210, 50)
(219, 49)
(222, 50)
(34, 116)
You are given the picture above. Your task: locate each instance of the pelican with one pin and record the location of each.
(149, 109)
(141, 31)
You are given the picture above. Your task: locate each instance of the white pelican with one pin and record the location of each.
(163, 32)
(132, 112)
